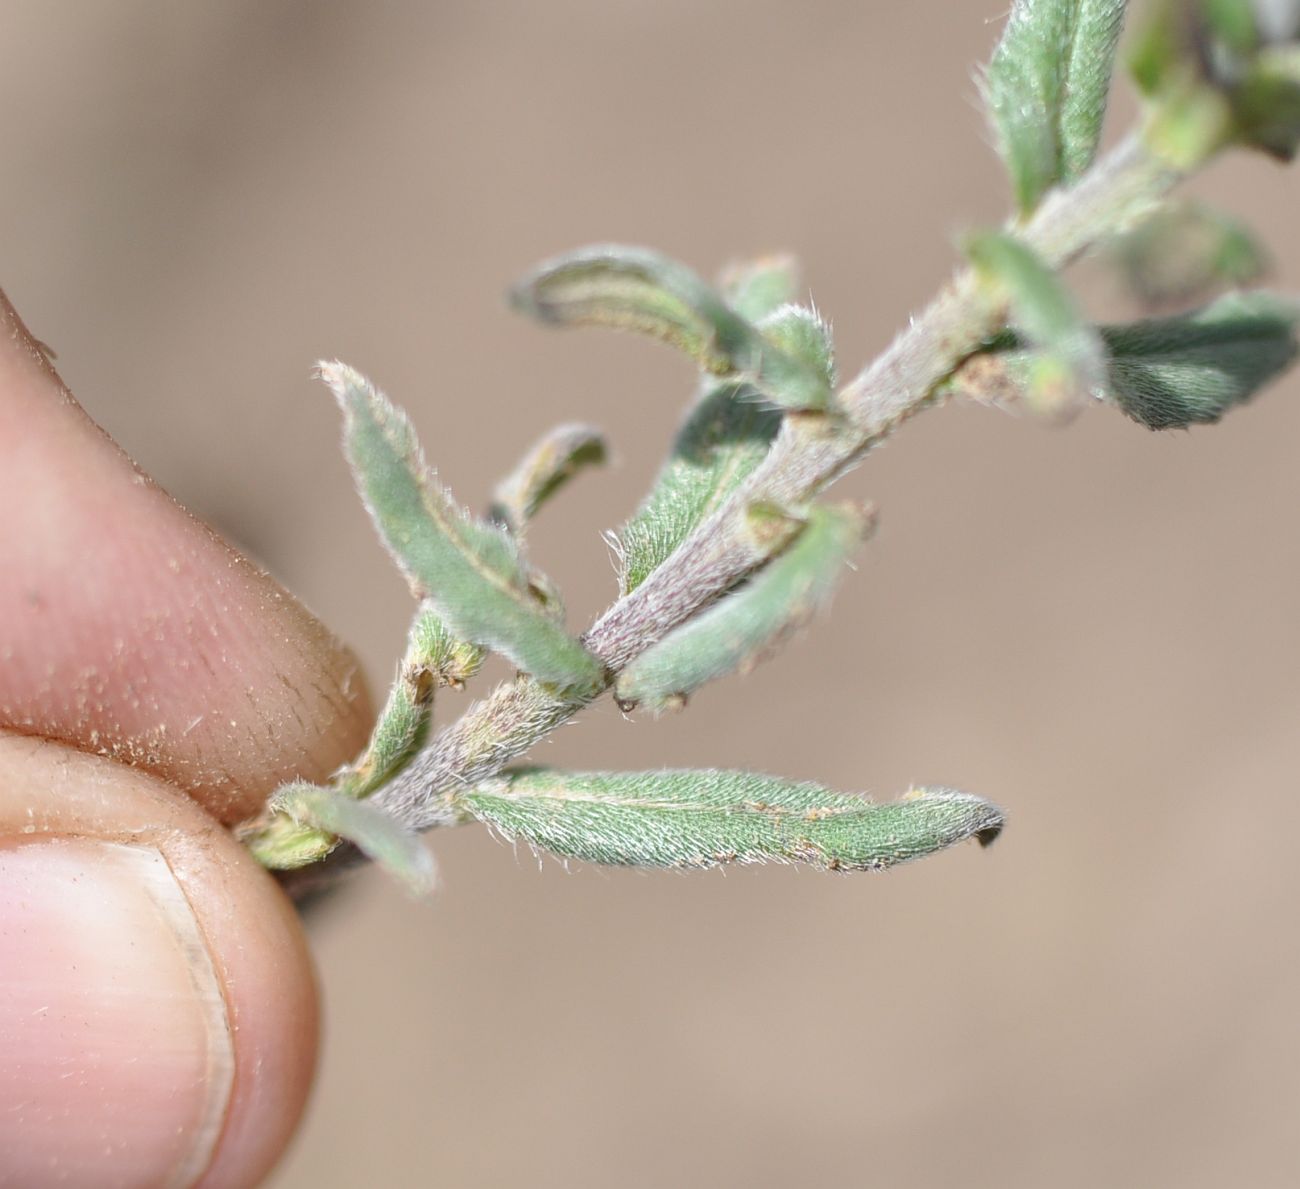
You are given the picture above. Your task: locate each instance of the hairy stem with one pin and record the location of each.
(810, 452)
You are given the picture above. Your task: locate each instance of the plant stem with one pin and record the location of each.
(810, 453)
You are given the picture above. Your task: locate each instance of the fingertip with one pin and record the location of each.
(158, 1006)
(131, 630)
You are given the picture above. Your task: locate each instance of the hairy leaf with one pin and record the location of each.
(280, 843)
(635, 289)
(749, 624)
(378, 835)
(724, 439)
(1097, 26)
(802, 333)
(1166, 373)
(1170, 372)
(470, 571)
(1046, 89)
(707, 818)
(431, 649)
(547, 467)
(433, 657)
(1069, 361)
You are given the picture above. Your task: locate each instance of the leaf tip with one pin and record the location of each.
(975, 817)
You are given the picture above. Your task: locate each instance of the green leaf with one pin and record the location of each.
(1069, 362)
(708, 818)
(748, 624)
(1046, 90)
(1186, 249)
(431, 649)
(801, 332)
(1097, 26)
(635, 289)
(724, 439)
(433, 657)
(378, 835)
(1168, 373)
(1173, 372)
(470, 571)
(547, 467)
(755, 288)
(280, 843)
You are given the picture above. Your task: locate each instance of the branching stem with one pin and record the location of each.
(811, 452)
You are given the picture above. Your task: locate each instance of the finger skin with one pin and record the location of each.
(53, 801)
(130, 630)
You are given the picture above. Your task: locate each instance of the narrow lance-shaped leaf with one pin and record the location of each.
(708, 818)
(635, 289)
(1097, 26)
(469, 570)
(1171, 372)
(1046, 88)
(724, 438)
(1069, 364)
(433, 657)
(747, 625)
(548, 466)
(378, 835)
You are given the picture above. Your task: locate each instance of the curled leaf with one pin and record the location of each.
(547, 467)
(747, 625)
(470, 571)
(433, 658)
(709, 818)
(635, 289)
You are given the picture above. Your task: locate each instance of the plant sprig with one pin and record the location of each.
(732, 549)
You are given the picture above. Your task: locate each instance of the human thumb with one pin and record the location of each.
(158, 1013)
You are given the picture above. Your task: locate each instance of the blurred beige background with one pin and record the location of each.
(1097, 627)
